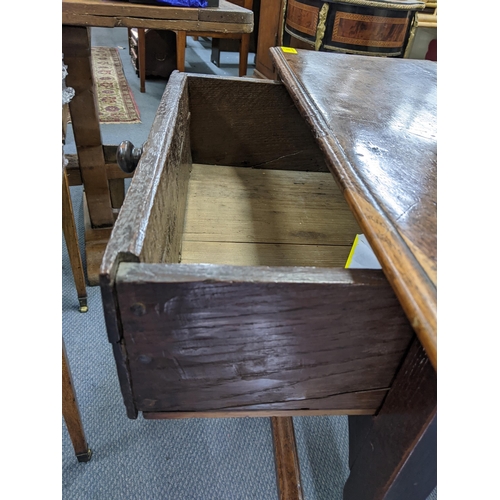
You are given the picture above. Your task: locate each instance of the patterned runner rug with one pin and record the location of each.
(116, 101)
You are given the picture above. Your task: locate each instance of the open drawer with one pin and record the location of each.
(223, 282)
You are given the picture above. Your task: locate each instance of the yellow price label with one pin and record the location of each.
(289, 50)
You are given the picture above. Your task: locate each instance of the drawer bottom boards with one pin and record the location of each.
(247, 217)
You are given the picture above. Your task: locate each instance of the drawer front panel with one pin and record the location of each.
(217, 338)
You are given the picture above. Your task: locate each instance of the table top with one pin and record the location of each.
(375, 120)
(227, 18)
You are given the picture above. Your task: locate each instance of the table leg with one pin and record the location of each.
(71, 413)
(85, 122)
(71, 238)
(141, 47)
(286, 459)
(181, 49)
(244, 46)
(393, 455)
(87, 133)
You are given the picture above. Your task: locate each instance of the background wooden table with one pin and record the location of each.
(102, 180)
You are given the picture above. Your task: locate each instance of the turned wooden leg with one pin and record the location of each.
(244, 46)
(71, 239)
(181, 49)
(71, 413)
(141, 42)
(393, 455)
(286, 459)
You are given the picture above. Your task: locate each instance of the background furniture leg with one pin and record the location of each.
(244, 46)
(181, 49)
(85, 121)
(286, 459)
(117, 192)
(393, 455)
(215, 54)
(71, 413)
(141, 33)
(71, 239)
(270, 35)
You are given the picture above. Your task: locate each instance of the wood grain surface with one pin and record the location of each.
(228, 18)
(206, 337)
(162, 169)
(247, 216)
(85, 122)
(375, 121)
(253, 123)
(150, 222)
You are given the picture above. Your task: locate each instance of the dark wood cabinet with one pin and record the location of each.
(161, 49)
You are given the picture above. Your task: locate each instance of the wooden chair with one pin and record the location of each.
(243, 38)
(140, 45)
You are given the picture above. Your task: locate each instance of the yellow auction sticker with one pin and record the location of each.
(351, 253)
(289, 50)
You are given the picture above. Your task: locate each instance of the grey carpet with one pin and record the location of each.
(220, 459)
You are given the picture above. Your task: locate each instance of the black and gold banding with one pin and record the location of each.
(374, 27)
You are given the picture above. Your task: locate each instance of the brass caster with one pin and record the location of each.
(83, 304)
(85, 457)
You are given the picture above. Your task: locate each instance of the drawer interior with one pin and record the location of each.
(264, 217)
(246, 183)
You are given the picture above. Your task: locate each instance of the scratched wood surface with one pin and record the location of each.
(227, 18)
(253, 123)
(245, 216)
(208, 337)
(375, 121)
(150, 223)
